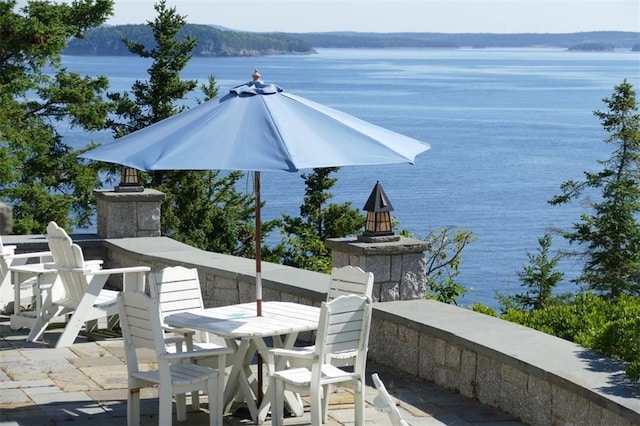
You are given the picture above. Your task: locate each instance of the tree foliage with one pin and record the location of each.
(610, 234)
(540, 277)
(302, 243)
(211, 41)
(443, 260)
(202, 208)
(39, 174)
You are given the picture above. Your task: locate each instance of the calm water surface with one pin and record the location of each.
(506, 126)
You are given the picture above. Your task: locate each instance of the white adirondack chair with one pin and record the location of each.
(176, 375)
(82, 288)
(8, 258)
(384, 402)
(177, 289)
(344, 326)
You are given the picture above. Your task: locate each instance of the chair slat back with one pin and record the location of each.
(67, 255)
(350, 280)
(176, 289)
(140, 325)
(344, 326)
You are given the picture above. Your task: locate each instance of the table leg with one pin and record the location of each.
(293, 400)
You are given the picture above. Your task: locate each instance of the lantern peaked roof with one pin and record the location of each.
(378, 200)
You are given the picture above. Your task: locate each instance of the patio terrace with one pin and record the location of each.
(427, 352)
(86, 384)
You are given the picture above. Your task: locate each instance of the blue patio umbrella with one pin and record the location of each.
(258, 127)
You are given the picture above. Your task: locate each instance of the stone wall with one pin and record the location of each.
(538, 378)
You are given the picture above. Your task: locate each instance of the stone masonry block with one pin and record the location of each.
(228, 283)
(539, 397)
(148, 216)
(564, 406)
(339, 259)
(269, 294)
(412, 287)
(440, 376)
(513, 398)
(594, 415)
(408, 336)
(389, 291)
(609, 418)
(468, 373)
(406, 358)
(514, 376)
(440, 353)
(396, 268)
(359, 261)
(376, 292)
(452, 357)
(488, 380)
(246, 292)
(222, 297)
(426, 360)
(287, 297)
(380, 266)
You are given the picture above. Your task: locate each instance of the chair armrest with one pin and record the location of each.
(197, 354)
(301, 353)
(8, 250)
(39, 254)
(118, 270)
(180, 331)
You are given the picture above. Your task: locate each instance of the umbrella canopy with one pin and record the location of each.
(258, 127)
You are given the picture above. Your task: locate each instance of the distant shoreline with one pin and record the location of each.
(217, 42)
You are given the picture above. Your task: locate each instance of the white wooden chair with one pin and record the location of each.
(8, 258)
(344, 281)
(82, 294)
(384, 402)
(175, 375)
(177, 289)
(344, 325)
(350, 280)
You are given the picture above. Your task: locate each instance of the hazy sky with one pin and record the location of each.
(503, 16)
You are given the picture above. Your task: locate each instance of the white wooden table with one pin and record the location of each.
(246, 333)
(39, 280)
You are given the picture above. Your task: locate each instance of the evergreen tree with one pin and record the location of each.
(202, 208)
(539, 276)
(303, 243)
(610, 234)
(39, 174)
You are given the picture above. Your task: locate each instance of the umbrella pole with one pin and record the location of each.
(256, 186)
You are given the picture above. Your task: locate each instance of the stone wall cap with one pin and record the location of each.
(147, 195)
(352, 245)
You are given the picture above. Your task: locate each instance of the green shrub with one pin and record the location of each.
(608, 326)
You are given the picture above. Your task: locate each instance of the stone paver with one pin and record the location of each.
(86, 384)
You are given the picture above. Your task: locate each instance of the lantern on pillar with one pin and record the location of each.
(129, 181)
(378, 224)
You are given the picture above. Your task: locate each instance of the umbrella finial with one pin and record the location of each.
(256, 76)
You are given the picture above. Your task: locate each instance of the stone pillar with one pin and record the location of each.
(399, 267)
(128, 214)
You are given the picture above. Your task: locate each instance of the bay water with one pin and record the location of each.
(506, 128)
